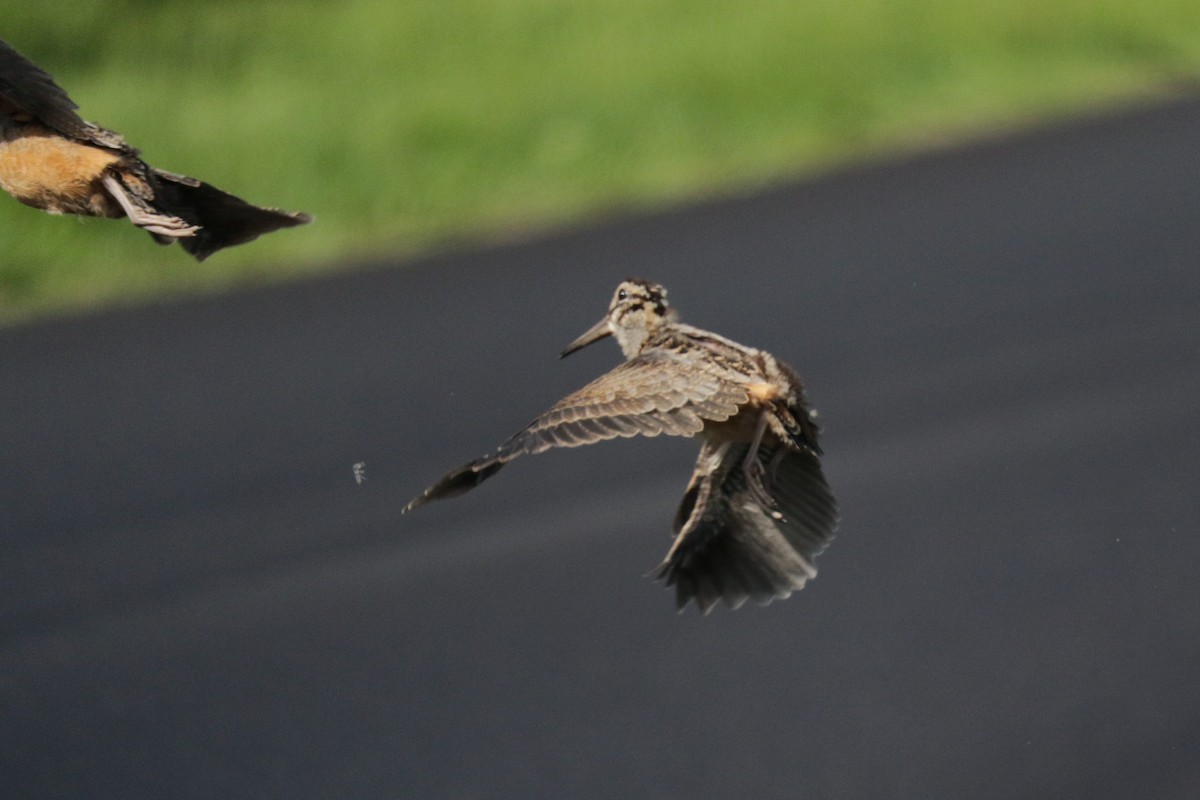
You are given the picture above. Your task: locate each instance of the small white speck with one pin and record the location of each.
(360, 472)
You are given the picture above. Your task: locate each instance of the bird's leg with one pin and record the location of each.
(161, 224)
(753, 467)
(773, 467)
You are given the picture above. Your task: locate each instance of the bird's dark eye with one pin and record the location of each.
(622, 294)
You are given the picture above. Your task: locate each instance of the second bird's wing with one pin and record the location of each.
(27, 89)
(654, 393)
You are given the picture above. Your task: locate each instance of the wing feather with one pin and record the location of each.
(29, 90)
(26, 88)
(652, 394)
(729, 547)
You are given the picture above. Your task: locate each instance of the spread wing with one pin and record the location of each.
(26, 90)
(729, 547)
(655, 393)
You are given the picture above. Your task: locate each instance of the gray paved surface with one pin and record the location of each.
(197, 600)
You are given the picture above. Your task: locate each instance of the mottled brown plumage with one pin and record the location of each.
(758, 509)
(52, 159)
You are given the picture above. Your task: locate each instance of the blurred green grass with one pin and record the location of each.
(407, 126)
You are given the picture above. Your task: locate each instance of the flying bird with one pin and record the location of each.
(52, 159)
(758, 509)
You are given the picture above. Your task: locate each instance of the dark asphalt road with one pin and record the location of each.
(197, 600)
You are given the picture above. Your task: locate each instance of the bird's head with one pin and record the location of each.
(638, 308)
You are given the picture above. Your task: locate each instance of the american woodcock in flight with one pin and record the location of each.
(757, 510)
(52, 159)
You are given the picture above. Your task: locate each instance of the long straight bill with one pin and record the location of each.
(594, 334)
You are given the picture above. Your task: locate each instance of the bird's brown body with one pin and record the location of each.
(56, 174)
(758, 508)
(52, 159)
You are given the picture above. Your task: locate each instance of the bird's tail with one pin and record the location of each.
(730, 546)
(223, 219)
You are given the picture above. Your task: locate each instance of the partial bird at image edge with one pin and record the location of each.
(54, 160)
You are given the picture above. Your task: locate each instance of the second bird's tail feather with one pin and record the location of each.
(224, 219)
